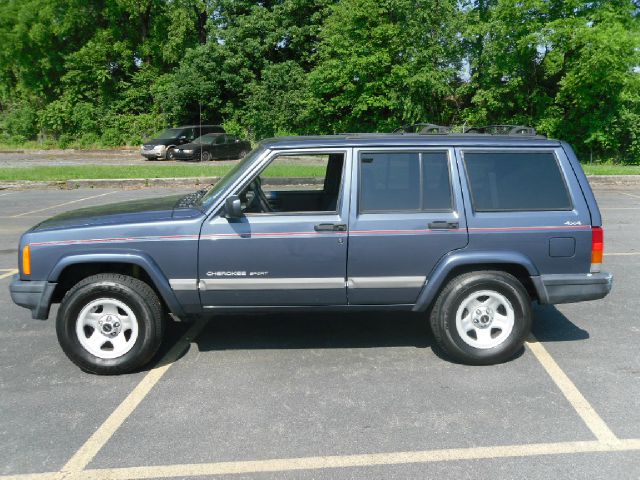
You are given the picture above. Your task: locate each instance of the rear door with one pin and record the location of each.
(218, 146)
(405, 215)
(232, 147)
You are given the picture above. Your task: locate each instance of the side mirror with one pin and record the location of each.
(233, 207)
(237, 140)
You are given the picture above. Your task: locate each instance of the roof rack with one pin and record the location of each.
(432, 129)
(423, 129)
(502, 130)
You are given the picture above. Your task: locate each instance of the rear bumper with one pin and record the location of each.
(36, 296)
(563, 288)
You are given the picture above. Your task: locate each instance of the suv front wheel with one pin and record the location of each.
(482, 318)
(110, 324)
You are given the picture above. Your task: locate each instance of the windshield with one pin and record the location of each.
(169, 133)
(206, 139)
(234, 174)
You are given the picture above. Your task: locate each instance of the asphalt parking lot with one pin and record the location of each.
(327, 396)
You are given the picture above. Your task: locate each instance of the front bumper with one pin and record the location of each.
(570, 288)
(158, 152)
(36, 296)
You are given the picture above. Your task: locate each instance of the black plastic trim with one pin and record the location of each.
(570, 288)
(34, 295)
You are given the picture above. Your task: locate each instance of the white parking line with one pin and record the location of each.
(571, 392)
(630, 194)
(338, 461)
(62, 204)
(8, 274)
(92, 446)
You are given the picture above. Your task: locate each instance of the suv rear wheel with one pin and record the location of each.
(482, 318)
(110, 324)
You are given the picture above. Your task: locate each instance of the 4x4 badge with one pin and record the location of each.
(568, 222)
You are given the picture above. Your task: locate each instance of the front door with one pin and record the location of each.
(405, 216)
(290, 246)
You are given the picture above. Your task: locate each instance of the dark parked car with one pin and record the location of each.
(213, 146)
(467, 230)
(164, 145)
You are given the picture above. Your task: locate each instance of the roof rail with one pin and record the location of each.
(432, 129)
(423, 129)
(502, 130)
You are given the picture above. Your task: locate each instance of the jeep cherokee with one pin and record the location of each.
(467, 228)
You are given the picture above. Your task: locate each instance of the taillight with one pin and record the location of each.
(597, 248)
(26, 260)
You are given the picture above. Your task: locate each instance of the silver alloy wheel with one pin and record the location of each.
(485, 319)
(107, 328)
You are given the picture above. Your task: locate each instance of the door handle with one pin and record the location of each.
(330, 227)
(443, 225)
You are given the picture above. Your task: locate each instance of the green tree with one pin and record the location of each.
(383, 63)
(564, 66)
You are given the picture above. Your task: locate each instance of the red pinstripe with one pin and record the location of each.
(303, 234)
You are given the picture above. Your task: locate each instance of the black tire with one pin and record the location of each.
(206, 156)
(136, 295)
(170, 154)
(444, 311)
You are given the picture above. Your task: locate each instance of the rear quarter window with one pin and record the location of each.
(516, 181)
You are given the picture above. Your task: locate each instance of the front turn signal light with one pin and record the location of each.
(26, 260)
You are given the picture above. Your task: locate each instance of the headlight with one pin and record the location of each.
(159, 147)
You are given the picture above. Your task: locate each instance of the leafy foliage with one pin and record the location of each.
(110, 72)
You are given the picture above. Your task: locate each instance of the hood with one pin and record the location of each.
(147, 210)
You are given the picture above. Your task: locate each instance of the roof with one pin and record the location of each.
(407, 140)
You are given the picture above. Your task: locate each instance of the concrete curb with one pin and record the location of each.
(199, 182)
(124, 183)
(603, 180)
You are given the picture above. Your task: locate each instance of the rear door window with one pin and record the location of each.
(516, 181)
(405, 182)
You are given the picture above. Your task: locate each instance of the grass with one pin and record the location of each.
(143, 171)
(611, 169)
(53, 145)
(45, 173)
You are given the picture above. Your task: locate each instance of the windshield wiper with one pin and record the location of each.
(191, 199)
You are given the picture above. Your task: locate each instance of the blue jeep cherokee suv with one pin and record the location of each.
(467, 228)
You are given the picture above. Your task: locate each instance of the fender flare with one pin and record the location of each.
(140, 259)
(460, 258)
